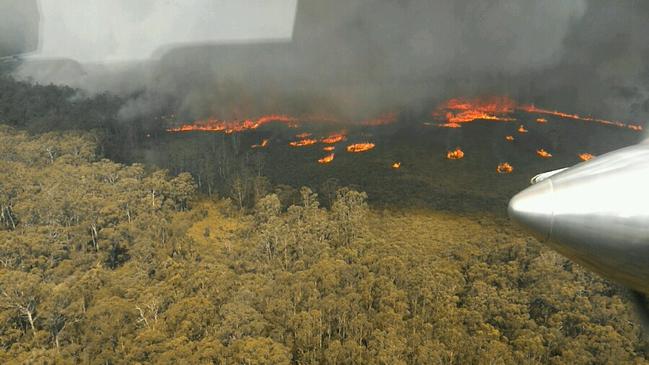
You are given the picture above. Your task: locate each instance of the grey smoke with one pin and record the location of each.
(18, 27)
(101, 31)
(604, 70)
(362, 57)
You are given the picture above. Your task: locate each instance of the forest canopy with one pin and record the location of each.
(102, 262)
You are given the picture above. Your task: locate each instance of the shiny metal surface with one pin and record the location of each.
(544, 176)
(595, 213)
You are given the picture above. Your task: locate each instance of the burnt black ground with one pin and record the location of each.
(426, 179)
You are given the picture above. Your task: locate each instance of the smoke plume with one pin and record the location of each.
(355, 59)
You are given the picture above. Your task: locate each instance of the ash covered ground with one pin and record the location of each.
(426, 178)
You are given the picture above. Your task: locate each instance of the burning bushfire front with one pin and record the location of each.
(453, 114)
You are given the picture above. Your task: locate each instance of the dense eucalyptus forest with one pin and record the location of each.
(110, 262)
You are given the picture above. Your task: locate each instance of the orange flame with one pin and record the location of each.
(509, 138)
(543, 153)
(534, 109)
(329, 149)
(500, 109)
(635, 127)
(303, 143)
(455, 155)
(522, 129)
(585, 156)
(333, 139)
(360, 147)
(396, 165)
(215, 125)
(450, 125)
(465, 111)
(327, 159)
(263, 144)
(505, 168)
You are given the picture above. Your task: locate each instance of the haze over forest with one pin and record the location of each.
(360, 57)
(306, 182)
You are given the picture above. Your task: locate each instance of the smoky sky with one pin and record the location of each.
(354, 58)
(604, 69)
(18, 27)
(125, 30)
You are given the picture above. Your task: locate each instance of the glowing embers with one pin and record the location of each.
(456, 154)
(541, 120)
(585, 156)
(360, 147)
(334, 138)
(458, 111)
(303, 142)
(304, 135)
(327, 159)
(522, 129)
(543, 153)
(634, 127)
(396, 165)
(450, 125)
(263, 144)
(329, 149)
(505, 168)
(215, 125)
(509, 138)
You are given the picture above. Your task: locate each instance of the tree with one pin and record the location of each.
(349, 211)
(289, 281)
(239, 190)
(21, 294)
(328, 190)
(259, 351)
(182, 189)
(190, 317)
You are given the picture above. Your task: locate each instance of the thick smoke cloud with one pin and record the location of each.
(412, 51)
(362, 57)
(604, 70)
(124, 30)
(19, 27)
